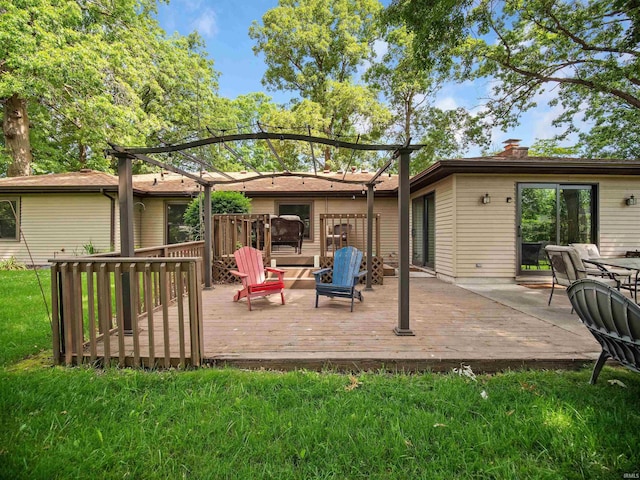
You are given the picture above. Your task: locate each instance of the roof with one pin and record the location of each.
(524, 165)
(82, 181)
(171, 184)
(299, 184)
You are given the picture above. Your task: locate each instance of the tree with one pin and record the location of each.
(314, 48)
(584, 55)
(82, 72)
(550, 148)
(411, 92)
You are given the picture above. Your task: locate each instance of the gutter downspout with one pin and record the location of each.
(112, 230)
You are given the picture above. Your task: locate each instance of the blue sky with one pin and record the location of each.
(224, 25)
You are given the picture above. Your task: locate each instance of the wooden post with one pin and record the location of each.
(403, 244)
(127, 245)
(208, 267)
(369, 236)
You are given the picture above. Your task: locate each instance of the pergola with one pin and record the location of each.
(126, 155)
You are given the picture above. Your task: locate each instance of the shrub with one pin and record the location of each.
(221, 202)
(12, 264)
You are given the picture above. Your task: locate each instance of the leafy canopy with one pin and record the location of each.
(582, 56)
(91, 71)
(314, 48)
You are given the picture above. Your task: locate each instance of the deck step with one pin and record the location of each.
(300, 283)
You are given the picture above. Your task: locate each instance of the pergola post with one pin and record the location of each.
(208, 246)
(403, 328)
(369, 235)
(127, 246)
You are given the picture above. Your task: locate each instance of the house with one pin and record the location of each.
(472, 219)
(78, 213)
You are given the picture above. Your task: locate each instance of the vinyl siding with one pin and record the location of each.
(153, 222)
(59, 225)
(386, 207)
(619, 223)
(485, 233)
(445, 232)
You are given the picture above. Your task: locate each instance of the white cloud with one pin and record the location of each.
(206, 24)
(380, 47)
(446, 103)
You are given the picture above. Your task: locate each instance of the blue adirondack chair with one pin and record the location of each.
(346, 274)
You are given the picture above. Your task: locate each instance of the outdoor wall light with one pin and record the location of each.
(631, 200)
(509, 199)
(486, 198)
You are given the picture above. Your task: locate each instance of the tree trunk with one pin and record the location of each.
(15, 126)
(82, 155)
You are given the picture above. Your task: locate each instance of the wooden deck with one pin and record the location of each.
(452, 325)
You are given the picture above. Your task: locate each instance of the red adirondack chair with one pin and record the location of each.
(252, 273)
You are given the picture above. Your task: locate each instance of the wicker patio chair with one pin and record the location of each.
(567, 267)
(612, 318)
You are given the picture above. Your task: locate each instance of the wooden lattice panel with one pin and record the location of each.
(223, 266)
(377, 267)
(222, 270)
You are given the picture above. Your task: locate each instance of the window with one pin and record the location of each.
(553, 213)
(302, 209)
(177, 229)
(9, 219)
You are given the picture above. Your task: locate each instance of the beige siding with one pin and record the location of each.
(445, 231)
(59, 225)
(386, 207)
(485, 233)
(153, 222)
(619, 223)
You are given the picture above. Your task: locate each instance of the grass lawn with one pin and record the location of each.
(225, 423)
(25, 327)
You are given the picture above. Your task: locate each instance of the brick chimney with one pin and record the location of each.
(512, 148)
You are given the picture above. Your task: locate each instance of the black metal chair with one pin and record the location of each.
(612, 318)
(531, 254)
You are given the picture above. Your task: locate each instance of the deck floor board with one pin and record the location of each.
(451, 324)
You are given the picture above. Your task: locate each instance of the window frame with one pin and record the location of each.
(18, 206)
(167, 204)
(310, 203)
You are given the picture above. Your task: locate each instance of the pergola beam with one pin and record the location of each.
(273, 150)
(200, 162)
(171, 168)
(264, 136)
(242, 160)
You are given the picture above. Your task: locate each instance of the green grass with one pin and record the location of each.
(64, 423)
(24, 324)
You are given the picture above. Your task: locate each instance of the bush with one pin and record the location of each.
(221, 202)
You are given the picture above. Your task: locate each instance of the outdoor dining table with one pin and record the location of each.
(630, 263)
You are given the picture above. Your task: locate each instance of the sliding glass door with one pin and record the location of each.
(557, 214)
(423, 239)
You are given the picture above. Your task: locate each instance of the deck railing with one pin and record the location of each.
(339, 230)
(175, 250)
(90, 313)
(231, 232)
